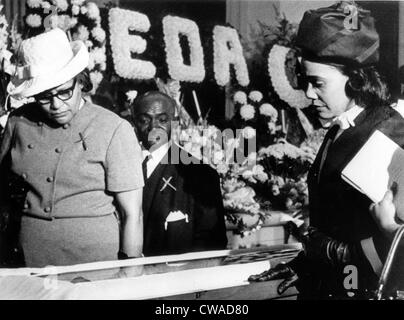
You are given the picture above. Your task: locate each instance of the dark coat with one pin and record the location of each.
(340, 211)
(197, 195)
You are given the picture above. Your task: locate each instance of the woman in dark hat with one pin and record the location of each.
(345, 245)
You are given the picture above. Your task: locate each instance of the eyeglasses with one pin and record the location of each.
(63, 95)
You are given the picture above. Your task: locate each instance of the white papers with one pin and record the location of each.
(377, 167)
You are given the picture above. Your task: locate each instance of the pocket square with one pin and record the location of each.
(175, 216)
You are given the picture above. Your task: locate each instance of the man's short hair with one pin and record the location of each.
(151, 95)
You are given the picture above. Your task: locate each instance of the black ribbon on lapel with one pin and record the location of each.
(329, 139)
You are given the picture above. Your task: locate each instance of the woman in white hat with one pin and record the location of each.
(68, 162)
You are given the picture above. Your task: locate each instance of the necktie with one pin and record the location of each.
(144, 167)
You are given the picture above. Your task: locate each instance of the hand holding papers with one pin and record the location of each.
(376, 168)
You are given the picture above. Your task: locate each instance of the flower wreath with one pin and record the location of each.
(81, 20)
(276, 68)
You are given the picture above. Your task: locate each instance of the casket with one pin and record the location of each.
(216, 275)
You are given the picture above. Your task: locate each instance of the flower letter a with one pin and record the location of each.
(227, 50)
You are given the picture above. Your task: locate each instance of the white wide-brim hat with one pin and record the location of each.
(49, 60)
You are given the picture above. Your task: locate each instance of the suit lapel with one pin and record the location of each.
(344, 148)
(152, 185)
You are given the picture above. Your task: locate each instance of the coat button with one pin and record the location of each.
(30, 146)
(49, 179)
(58, 150)
(66, 125)
(26, 205)
(24, 176)
(47, 209)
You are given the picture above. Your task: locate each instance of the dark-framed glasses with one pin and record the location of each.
(63, 95)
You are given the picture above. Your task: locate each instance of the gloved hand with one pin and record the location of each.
(318, 246)
(280, 271)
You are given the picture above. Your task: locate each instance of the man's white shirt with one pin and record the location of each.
(155, 157)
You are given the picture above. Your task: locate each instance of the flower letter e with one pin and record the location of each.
(123, 44)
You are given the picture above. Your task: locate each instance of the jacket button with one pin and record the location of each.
(30, 146)
(66, 125)
(47, 209)
(24, 176)
(49, 179)
(58, 150)
(26, 205)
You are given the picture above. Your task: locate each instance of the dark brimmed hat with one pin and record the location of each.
(334, 34)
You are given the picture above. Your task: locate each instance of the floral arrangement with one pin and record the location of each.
(123, 44)
(256, 117)
(274, 178)
(81, 20)
(173, 28)
(227, 50)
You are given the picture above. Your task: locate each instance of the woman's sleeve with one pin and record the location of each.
(124, 160)
(5, 147)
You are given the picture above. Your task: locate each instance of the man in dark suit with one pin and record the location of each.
(182, 201)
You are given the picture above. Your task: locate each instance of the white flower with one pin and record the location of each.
(255, 96)
(262, 177)
(173, 27)
(218, 156)
(46, 5)
(123, 44)
(62, 5)
(268, 110)
(248, 133)
(33, 20)
(227, 50)
(89, 43)
(240, 97)
(131, 95)
(81, 34)
(248, 175)
(99, 55)
(34, 3)
(222, 168)
(83, 10)
(93, 12)
(247, 112)
(75, 10)
(98, 33)
(77, 2)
